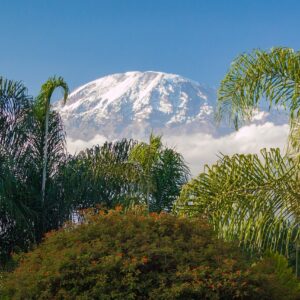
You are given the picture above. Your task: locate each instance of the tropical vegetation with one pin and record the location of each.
(133, 255)
(42, 186)
(251, 198)
(26, 214)
(171, 238)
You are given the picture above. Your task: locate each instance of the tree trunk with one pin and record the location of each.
(148, 196)
(45, 156)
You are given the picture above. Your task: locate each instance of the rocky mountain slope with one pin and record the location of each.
(133, 104)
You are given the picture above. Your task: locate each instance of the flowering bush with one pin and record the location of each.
(132, 255)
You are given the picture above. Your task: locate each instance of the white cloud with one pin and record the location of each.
(199, 149)
(74, 146)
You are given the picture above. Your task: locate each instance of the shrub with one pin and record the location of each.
(117, 255)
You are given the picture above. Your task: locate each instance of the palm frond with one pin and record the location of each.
(254, 200)
(23, 220)
(252, 77)
(43, 100)
(293, 147)
(15, 118)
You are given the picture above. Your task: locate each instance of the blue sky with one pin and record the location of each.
(84, 40)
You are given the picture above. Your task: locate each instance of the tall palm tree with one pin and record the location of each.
(43, 108)
(251, 198)
(22, 144)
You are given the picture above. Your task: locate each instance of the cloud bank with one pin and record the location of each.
(199, 149)
(76, 145)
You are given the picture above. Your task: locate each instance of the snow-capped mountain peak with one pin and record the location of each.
(132, 104)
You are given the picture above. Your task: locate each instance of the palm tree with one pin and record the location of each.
(15, 118)
(246, 197)
(43, 108)
(162, 173)
(101, 175)
(273, 76)
(169, 174)
(22, 144)
(146, 155)
(15, 123)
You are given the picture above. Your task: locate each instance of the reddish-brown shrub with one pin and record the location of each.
(117, 255)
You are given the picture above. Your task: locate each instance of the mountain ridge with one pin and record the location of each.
(133, 104)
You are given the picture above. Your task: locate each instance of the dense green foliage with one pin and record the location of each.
(249, 199)
(254, 199)
(101, 175)
(133, 255)
(246, 200)
(23, 215)
(115, 174)
(162, 173)
(41, 186)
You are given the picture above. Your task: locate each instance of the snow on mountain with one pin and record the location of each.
(133, 104)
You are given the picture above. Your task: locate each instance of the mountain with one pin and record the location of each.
(133, 104)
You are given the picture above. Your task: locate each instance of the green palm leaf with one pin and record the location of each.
(23, 218)
(254, 200)
(273, 76)
(42, 111)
